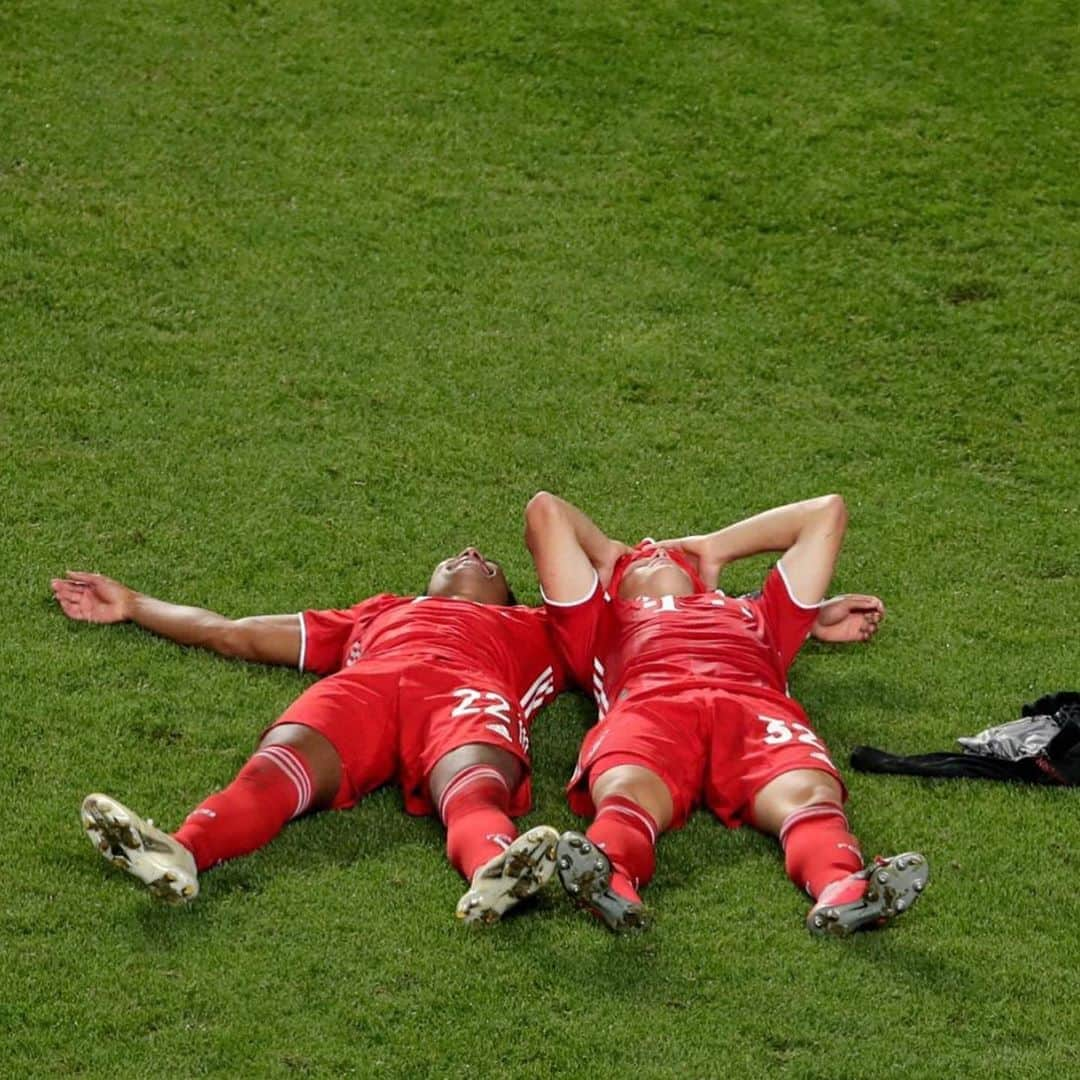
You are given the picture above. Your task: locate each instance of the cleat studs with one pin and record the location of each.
(882, 876)
(900, 905)
(586, 848)
(565, 862)
(598, 866)
(919, 886)
(819, 922)
(573, 887)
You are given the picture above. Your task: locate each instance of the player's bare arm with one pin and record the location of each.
(265, 639)
(854, 617)
(809, 533)
(568, 548)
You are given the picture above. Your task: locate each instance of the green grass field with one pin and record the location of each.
(297, 298)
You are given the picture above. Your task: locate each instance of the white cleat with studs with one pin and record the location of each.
(140, 848)
(511, 876)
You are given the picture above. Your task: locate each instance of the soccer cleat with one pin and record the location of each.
(585, 873)
(870, 897)
(508, 878)
(161, 863)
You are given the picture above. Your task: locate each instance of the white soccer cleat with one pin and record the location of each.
(512, 875)
(161, 863)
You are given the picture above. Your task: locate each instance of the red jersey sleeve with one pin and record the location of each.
(788, 621)
(575, 629)
(324, 634)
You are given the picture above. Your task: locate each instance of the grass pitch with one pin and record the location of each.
(298, 298)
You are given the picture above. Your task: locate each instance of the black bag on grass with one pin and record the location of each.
(1042, 747)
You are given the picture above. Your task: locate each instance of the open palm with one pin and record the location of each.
(92, 597)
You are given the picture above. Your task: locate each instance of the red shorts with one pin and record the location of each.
(392, 721)
(709, 746)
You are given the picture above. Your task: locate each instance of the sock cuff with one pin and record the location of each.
(629, 811)
(473, 774)
(295, 768)
(806, 813)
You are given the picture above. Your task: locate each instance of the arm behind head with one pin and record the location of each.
(568, 549)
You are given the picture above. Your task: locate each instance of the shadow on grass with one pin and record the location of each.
(836, 693)
(898, 957)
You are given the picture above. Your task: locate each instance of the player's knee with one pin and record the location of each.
(638, 785)
(465, 757)
(319, 756)
(793, 791)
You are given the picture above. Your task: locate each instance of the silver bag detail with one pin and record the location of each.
(1018, 739)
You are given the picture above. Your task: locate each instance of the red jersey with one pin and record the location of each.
(508, 647)
(616, 649)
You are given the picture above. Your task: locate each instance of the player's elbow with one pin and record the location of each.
(541, 512)
(833, 512)
(231, 639)
(540, 505)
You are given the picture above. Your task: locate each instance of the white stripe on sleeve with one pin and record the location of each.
(794, 599)
(303, 641)
(572, 603)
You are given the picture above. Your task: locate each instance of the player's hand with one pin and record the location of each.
(701, 555)
(615, 551)
(848, 618)
(93, 597)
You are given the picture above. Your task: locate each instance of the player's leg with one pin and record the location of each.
(633, 807)
(471, 788)
(294, 770)
(638, 774)
(803, 808)
(335, 743)
(464, 756)
(604, 869)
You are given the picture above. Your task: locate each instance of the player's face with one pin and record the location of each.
(469, 576)
(655, 574)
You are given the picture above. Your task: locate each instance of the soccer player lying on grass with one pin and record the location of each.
(437, 691)
(691, 687)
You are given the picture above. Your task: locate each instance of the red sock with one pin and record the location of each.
(273, 786)
(626, 833)
(818, 847)
(474, 809)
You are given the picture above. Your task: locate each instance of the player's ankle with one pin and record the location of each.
(844, 890)
(623, 886)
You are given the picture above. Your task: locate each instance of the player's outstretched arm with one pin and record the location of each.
(568, 548)
(854, 617)
(266, 639)
(809, 533)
